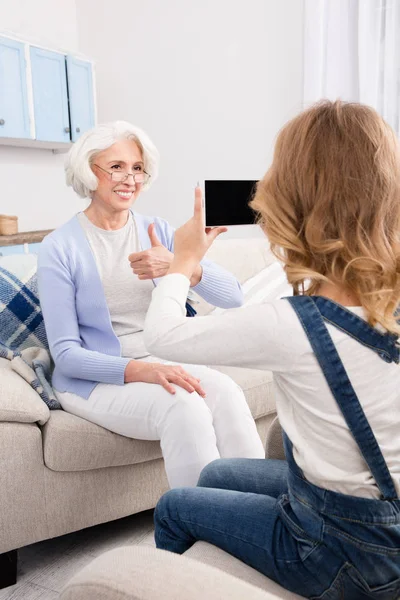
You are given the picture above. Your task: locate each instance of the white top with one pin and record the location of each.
(127, 297)
(270, 337)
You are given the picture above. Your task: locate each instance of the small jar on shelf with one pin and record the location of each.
(8, 225)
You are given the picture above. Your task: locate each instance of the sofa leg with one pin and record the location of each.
(8, 568)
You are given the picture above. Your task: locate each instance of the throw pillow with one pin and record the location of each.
(21, 320)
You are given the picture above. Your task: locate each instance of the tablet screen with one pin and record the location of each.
(226, 202)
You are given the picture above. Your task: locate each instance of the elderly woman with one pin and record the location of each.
(96, 276)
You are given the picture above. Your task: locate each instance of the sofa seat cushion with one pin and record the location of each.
(257, 387)
(74, 444)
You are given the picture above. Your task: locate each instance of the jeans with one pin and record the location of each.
(249, 509)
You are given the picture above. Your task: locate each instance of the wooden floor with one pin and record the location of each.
(44, 568)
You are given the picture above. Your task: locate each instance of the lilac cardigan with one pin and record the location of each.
(82, 342)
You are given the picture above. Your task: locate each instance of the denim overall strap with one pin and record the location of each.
(384, 344)
(332, 367)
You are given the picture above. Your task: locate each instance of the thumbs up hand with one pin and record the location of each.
(153, 236)
(154, 262)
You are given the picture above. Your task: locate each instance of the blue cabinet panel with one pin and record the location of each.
(50, 97)
(80, 87)
(14, 113)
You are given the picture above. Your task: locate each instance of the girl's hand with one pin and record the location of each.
(192, 240)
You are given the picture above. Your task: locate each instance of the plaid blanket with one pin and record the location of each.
(21, 320)
(22, 332)
(34, 365)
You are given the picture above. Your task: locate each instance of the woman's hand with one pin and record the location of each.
(151, 263)
(163, 375)
(155, 262)
(192, 240)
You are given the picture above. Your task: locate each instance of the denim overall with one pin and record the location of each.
(351, 542)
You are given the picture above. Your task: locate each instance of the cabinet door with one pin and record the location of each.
(81, 96)
(14, 112)
(50, 97)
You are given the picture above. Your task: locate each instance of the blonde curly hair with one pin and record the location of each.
(330, 205)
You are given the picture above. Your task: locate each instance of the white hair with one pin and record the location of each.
(78, 173)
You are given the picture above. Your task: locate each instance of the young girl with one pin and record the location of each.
(326, 522)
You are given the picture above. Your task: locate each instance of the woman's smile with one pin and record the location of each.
(125, 195)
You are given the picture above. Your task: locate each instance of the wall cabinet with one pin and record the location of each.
(46, 97)
(50, 97)
(14, 112)
(80, 86)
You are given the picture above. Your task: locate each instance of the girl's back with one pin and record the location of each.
(323, 446)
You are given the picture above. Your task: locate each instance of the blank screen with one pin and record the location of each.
(226, 202)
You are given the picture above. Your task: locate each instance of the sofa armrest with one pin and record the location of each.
(145, 573)
(18, 401)
(274, 442)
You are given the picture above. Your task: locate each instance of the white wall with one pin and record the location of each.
(31, 180)
(211, 81)
(49, 22)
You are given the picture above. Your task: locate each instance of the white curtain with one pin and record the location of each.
(352, 52)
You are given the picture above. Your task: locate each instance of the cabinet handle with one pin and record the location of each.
(78, 129)
(2, 122)
(67, 129)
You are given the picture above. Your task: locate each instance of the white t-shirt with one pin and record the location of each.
(270, 337)
(127, 297)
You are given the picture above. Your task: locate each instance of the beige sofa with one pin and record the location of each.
(60, 473)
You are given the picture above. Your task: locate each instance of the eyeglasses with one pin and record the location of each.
(119, 176)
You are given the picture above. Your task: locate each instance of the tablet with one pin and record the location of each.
(227, 202)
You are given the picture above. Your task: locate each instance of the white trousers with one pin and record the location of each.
(193, 431)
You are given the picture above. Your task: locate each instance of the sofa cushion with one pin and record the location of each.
(74, 444)
(215, 557)
(21, 320)
(140, 573)
(242, 257)
(18, 400)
